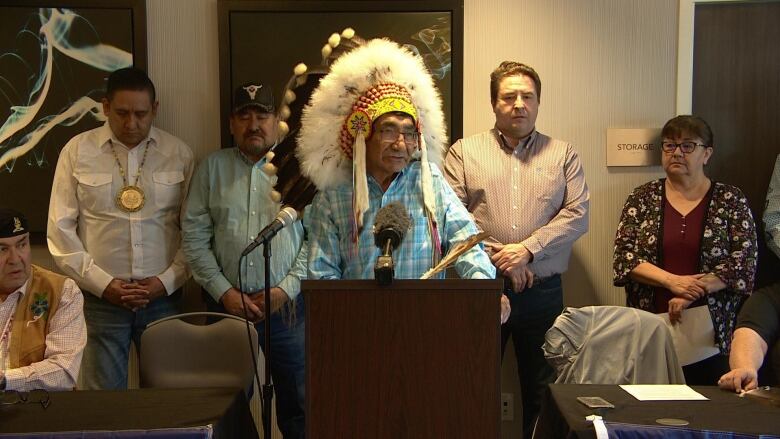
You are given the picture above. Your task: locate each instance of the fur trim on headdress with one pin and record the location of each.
(379, 61)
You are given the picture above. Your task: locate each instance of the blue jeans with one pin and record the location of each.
(533, 312)
(110, 329)
(288, 373)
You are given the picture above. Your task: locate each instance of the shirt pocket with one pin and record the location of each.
(167, 188)
(94, 191)
(549, 183)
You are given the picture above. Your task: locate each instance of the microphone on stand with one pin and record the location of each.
(391, 224)
(286, 216)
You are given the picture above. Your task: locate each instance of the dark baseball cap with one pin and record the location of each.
(253, 94)
(12, 223)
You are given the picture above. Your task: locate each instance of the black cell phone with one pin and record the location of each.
(595, 402)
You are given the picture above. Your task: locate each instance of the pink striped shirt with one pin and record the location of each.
(534, 194)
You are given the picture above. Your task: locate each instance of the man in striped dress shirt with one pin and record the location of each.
(528, 191)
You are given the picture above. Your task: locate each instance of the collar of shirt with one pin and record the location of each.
(249, 161)
(22, 290)
(398, 176)
(106, 134)
(523, 143)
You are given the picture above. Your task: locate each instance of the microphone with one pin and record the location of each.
(391, 224)
(286, 216)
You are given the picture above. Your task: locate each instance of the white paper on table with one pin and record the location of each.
(693, 336)
(663, 392)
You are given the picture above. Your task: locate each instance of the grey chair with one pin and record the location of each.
(611, 345)
(175, 353)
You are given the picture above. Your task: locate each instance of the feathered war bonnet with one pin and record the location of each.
(377, 78)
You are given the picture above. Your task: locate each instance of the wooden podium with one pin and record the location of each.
(415, 359)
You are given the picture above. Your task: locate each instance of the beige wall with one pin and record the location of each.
(603, 63)
(184, 65)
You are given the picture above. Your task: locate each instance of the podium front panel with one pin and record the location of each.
(415, 359)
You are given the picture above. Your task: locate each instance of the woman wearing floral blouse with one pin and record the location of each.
(687, 241)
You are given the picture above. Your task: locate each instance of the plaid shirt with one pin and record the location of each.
(332, 252)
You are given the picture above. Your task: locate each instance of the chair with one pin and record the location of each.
(175, 353)
(611, 345)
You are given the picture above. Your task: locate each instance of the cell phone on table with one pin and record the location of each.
(595, 402)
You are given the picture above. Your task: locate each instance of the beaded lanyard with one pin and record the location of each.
(131, 197)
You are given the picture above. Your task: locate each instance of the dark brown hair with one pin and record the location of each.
(130, 78)
(688, 124)
(512, 68)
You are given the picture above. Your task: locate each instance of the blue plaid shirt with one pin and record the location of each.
(331, 250)
(227, 205)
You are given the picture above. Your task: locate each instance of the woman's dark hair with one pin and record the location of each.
(691, 125)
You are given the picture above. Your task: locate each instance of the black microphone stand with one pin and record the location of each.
(268, 387)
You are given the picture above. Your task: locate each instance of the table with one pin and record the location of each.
(562, 416)
(147, 413)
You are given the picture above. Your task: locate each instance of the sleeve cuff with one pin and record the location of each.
(481, 275)
(97, 280)
(218, 286)
(534, 246)
(291, 285)
(14, 379)
(168, 279)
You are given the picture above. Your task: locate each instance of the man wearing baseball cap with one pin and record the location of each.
(42, 330)
(230, 200)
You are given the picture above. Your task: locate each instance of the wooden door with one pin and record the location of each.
(736, 89)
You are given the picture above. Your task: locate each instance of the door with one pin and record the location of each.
(736, 89)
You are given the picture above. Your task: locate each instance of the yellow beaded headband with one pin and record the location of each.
(376, 101)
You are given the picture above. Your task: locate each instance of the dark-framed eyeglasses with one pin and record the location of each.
(35, 396)
(685, 147)
(390, 134)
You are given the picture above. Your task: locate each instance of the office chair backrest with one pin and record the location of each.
(175, 353)
(611, 345)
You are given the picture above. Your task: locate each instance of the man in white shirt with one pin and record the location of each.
(42, 331)
(114, 224)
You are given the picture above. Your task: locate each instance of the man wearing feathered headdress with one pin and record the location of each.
(373, 134)
(229, 201)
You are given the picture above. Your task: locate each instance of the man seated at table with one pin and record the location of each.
(758, 324)
(42, 329)
(758, 329)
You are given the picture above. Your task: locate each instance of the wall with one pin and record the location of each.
(603, 63)
(184, 64)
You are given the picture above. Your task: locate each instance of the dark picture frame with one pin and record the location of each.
(79, 72)
(301, 28)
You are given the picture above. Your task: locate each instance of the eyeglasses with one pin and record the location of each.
(390, 134)
(685, 147)
(35, 396)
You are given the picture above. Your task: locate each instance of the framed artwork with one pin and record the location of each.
(263, 40)
(55, 57)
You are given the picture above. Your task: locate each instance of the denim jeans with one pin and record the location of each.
(288, 373)
(533, 312)
(110, 329)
